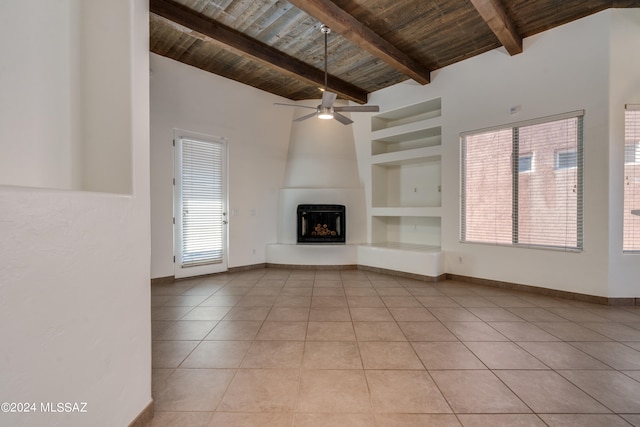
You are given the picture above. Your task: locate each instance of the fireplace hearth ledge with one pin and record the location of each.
(425, 261)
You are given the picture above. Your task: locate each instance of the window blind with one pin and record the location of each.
(532, 203)
(202, 203)
(631, 223)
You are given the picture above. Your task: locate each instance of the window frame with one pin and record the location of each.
(579, 188)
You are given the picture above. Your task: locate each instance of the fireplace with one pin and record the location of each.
(320, 224)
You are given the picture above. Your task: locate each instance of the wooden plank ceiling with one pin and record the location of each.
(277, 45)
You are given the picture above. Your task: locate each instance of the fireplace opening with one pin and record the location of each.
(321, 224)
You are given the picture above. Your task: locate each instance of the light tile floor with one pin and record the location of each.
(274, 347)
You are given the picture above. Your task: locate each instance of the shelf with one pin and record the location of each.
(389, 142)
(416, 155)
(412, 230)
(425, 211)
(405, 115)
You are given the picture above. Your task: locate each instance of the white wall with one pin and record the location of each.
(624, 88)
(186, 98)
(561, 70)
(74, 276)
(37, 87)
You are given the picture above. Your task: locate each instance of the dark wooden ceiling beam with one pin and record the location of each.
(235, 41)
(350, 28)
(502, 26)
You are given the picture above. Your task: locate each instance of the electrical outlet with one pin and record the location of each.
(460, 259)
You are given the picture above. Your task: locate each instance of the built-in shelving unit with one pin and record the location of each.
(406, 158)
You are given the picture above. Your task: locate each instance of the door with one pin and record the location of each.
(200, 204)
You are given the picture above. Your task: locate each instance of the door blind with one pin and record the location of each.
(631, 222)
(202, 202)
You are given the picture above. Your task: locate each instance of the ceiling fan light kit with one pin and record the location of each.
(326, 110)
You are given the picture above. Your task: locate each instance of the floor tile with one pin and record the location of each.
(504, 355)
(274, 354)
(576, 314)
(328, 301)
(280, 347)
(548, 392)
(333, 420)
(560, 355)
(367, 314)
(323, 391)
(501, 420)
(217, 354)
(288, 314)
(169, 313)
(331, 355)
(411, 314)
(474, 331)
(282, 331)
(407, 392)
(409, 301)
(613, 389)
(329, 314)
(355, 302)
(522, 331)
(535, 314)
(494, 314)
(477, 392)
(188, 330)
(633, 419)
(613, 330)
(243, 419)
(169, 354)
(330, 331)
(261, 390)
(183, 419)
(569, 331)
(235, 330)
(616, 355)
(437, 301)
(193, 390)
(389, 355)
(446, 355)
(416, 420)
(426, 331)
(207, 313)
(583, 420)
(247, 313)
(293, 301)
(378, 331)
(453, 314)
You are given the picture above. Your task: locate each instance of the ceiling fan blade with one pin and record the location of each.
(359, 108)
(328, 98)
(342, 119)
(308, 116)
(294, 105)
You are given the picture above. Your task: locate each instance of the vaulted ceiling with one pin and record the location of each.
(277, 45)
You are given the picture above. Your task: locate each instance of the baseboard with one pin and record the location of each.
(144, 418)
(313, 267)
(245, 268)
(163, 280)
(403, 274)
(546, 291)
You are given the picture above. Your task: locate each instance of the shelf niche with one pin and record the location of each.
(410, 114)
(407, 183)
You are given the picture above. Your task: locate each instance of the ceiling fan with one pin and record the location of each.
(326, 110)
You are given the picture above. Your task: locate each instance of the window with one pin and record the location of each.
(525, 163)
(566, 159)
(540, 208)
(631, 221)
